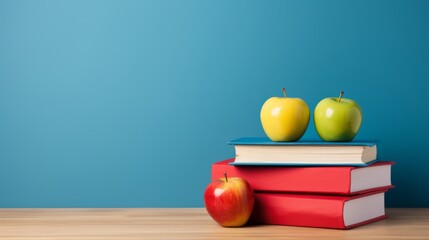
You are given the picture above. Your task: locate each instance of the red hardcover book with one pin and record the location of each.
(339, 180)
(323, 211)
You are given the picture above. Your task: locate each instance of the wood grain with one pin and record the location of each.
(187, 223)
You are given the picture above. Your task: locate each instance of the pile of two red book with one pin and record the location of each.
(321, 194)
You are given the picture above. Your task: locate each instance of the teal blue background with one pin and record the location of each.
(128, 103)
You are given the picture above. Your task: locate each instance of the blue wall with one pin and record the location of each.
(127, 103)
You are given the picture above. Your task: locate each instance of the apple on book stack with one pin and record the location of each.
(334, 183)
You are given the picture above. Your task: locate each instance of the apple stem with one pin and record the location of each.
(226, 177)
(341, 95)
(284, 91)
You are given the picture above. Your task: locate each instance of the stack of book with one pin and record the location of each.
(311, 184)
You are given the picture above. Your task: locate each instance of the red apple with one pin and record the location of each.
(229, 201)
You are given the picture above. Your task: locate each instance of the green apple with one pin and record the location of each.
(284, 119)
(337, 119)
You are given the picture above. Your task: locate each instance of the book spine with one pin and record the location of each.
(281, 209)
(324, 180)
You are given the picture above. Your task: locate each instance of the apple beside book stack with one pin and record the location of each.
(229, 201)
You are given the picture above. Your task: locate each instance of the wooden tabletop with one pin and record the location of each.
(187, 223)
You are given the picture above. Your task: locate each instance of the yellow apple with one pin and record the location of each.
(285, 119)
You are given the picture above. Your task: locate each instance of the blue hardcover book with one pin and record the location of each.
(262, 151)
